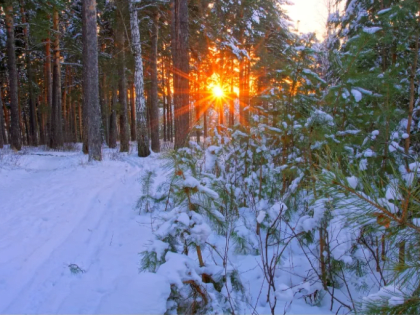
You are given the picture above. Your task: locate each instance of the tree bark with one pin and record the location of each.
(64, 105)
(122, 82)
(105, 109)
(180, 57)
(113, 120)
(90, 66)
(198, 106)
(154, 104)
(71, 112)
(141, 110)
(133, 113)
(169, 105)
(48, 87)
(56, 122)
(80, 134)
(232, 99)
(85, 92)
(2, 140)
(33, 125)
(16, 141)
(6, 134)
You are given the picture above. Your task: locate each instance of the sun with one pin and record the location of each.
(218, 91)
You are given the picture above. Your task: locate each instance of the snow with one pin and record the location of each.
(357, 95)
(58, 210)
(392, 193)
(371, 30)
(179, 268)
(184, 219)
(363, 164)
(353, 181)
(192, 182)
(61, 213)
(211, 157)
(383, 11)
(261, 216)
(369, 153)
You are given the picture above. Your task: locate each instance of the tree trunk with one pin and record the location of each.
(412, 99)
(141, 110)
(40, 117)
(165, 100)
(198, 106)
(33, 126)
(56, 123)
(85, 92)
(105, 109)
(64, 104)
(113, 120)
(169, 106)
(2, 140)
(133, 113)
(154, 105)
(71, 113)
(232, 99)
(48, 87)
(80, 135)
(25, 123)
(180, 56)
(6, 132)
(122, 82)
(16, 142)
(90, 76)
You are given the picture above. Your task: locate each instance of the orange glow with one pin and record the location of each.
(217, 91)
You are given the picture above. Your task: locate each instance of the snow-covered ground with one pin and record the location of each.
(70, 238)
(70, 235)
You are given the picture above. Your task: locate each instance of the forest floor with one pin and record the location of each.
(70, 237)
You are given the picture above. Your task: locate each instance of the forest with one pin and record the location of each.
(206, 157)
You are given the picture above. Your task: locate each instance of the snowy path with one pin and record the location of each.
(56, 210)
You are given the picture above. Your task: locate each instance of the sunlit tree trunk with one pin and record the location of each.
(133, 112)
(180, 56)
(113, 119)
(198, 105)
(232, 97)
(154, 105)
(141, 110)
(165, 100)
(122, 80)
(169, 121)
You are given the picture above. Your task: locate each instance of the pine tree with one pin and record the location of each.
(91, 84)
(180, 60)
(141, 115)
(16, 142)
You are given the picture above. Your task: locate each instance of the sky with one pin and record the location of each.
(312, 15)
